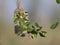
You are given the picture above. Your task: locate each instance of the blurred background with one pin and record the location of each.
(45, 12)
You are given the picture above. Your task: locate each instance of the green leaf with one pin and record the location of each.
(58, 1)
(33, 35)
(15, 19)
(53, 26)
(21, 22)
(27, 23)
(29, 29)
(23, 35)
(42, 33)
(33, 27)
(37, 25)
(38, 29)
(33, 32)
(25, 19)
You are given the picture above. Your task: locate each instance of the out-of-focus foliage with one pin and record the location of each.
(24, 24)
(53, 26)
(58, 1)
